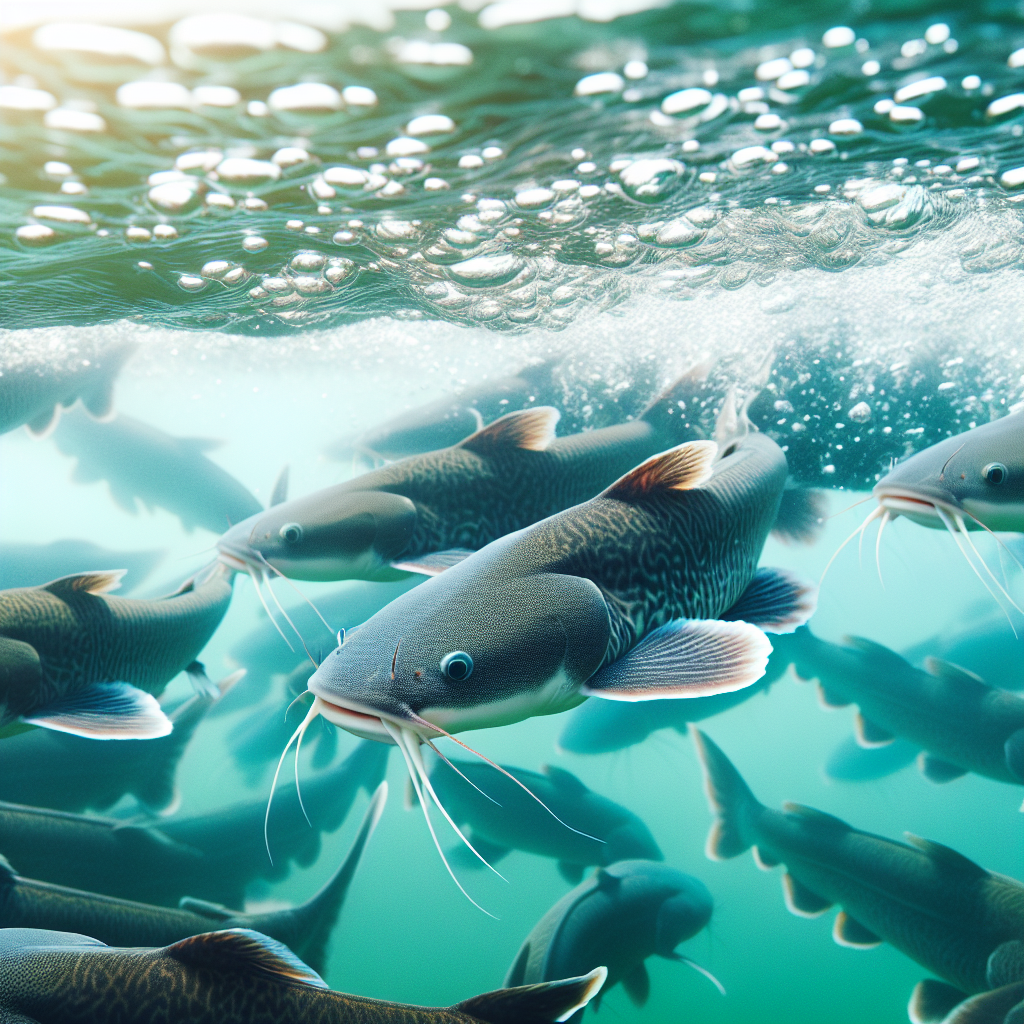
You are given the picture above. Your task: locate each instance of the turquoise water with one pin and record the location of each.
(840, 265)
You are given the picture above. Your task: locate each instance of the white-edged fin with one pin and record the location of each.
(869, 734)
(851, 933)
(679, 469)
(685, 658)
(935, 769)
(434, 563)
(86, 583)
(802, 901)
(735, 807)
(106, 711)
(244, 951)
(776, 600)
(531, 430)
(547, 1001)
(932, 1001)
(45, 423)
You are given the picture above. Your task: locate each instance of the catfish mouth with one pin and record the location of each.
(915, 506)
(366, 724)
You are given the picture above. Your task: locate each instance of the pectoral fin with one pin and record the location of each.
(776, 600)
(105, 711)
(802, 901)
(637, 983)
(201, 682)
(869, 734)
(685, 658)
(204, 908)
(572, 873)
(935, 769)
(931, 1001)
(433, 564)
(801, 515)
(848, 932)
(1006, 964)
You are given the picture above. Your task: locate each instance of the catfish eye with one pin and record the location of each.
(994, 473)
(458, 665)
(290, 533)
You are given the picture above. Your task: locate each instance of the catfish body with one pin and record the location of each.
(942, 910)
(234, 976)
(619, 917)
(68, 647)
(142, 463)
(34, 394)
(960, 723)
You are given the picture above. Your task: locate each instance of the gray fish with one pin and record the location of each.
(76, 660)
(451, 419)
(142, 463)
(602, 726)
(235, 976)
(508, 818)
(212, 856)
(930, 902)
(851, 762)
(34, 394)
(619, 917)
(428, 511)
(961, 724)
(304, 929)
(649, 590)
(31, 565)
(68, 773)
(972, 481)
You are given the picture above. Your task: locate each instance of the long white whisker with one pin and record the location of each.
(273, 785)
(526, 789)
(959, 520)
(396, 735)
(875, 513)
(951, 526)
(701, 970)
(280, 608)
(430, 743)
(997, 539)
(266, 608)
(310, 715)
(412, 744)
(878, 547)
(274, 569)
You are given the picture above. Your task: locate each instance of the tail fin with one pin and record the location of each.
(99, 399)
(155, 787)
(535, 1004)
(729, 797)
(310, 924)
(675, 411)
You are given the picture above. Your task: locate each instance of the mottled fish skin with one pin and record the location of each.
(35, 394)
(451, 419)
(142, 463)
(82, 638)
(605, 573)
(948, 712)
(930, 902)
(225, 977)
(462, 497)
(210, 856)
(618, 917)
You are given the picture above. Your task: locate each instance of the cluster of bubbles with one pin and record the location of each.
(177, 179)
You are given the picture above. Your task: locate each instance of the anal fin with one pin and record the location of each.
(764, 860)
(801, 900)
(849, 932)
(931, 1001)
(775, 600)
(106, 711)
(934, 769)
(830, 698)
(869, 734)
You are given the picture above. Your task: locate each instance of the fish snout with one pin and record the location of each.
(682, 916)
(921, 504)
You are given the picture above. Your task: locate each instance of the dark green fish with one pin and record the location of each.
(35, 393)
(304, 929)
(509, 818)
(619, 917)
(425, 512)
(212, 856)
(227, 977)
(45, 768)
(930, 902)
(76, 660)
(961, 724)
(142, 463)
(451, 419)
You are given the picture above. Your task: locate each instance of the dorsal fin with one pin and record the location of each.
(530, 429)
(101, 582)
(279, 494)
(812, 816)
(243, 950)
(950, 673)
(947, 858)
(564, 780)
(7, 872)
(679, 469)
(876, 650)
